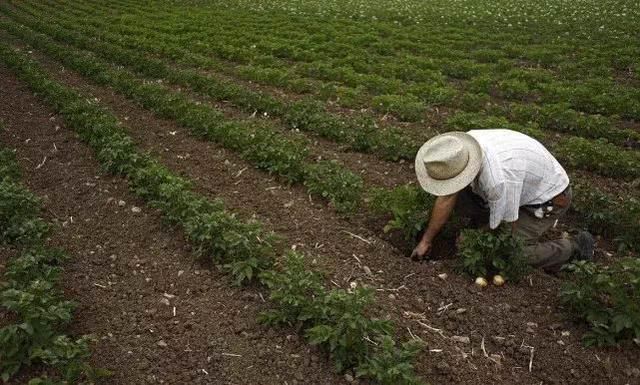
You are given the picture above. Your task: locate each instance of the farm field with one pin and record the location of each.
(222, 192)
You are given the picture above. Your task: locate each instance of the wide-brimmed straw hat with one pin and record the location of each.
(448, 163)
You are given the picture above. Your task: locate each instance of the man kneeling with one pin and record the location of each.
(495, 176)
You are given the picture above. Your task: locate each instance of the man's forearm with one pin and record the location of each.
(442, 209)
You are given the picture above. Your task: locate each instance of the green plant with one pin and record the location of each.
(8, 166)
(408, 205)
(296, 290)
(390, 364)
(344, 329)
(70, 358)
(333, 319)
(341, 187)
(41, 312)
(612, 216)
(18, 214)
(404, 107)
(498, 252)
(605, 297)
(514, 89)
(600, 156)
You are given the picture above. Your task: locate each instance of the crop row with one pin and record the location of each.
(308, 42)
(379, 74)
(310, 115)
(517, 83)
(30, 291)
(612, 166)
(598, 156)
(606, 298)
(334, 319)
(255, 141)
(340, 184)
(307, 115)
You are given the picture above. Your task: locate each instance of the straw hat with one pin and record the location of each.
(448, 163)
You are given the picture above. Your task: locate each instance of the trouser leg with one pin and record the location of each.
(549, 255)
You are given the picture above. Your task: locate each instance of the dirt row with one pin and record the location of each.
(159, 318)
(412, 294)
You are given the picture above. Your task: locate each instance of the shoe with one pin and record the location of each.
(584, 246)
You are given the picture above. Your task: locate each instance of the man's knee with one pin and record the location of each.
(550, 255)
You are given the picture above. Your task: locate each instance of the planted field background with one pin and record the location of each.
(274, 141)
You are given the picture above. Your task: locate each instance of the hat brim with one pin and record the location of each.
(442, 187)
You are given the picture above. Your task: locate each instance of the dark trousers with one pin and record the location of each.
(549, 255)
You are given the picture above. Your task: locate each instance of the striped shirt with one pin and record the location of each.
(516, 171)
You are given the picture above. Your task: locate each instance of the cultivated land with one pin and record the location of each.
(274, 140)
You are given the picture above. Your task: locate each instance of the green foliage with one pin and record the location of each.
(30, 291)
(8, 167)
(391, 365)
(404, 107)
(473, 102)
(600, 156)
(258, 143)
(514, 89)
(433, 95)
(18, 214)
(460, 69)
(341, 187)
(69, 357)
(296, 290)
(607, 298)
(498, 252)
(608, 215)
(408, 205)
(336, 320)
(344, 329)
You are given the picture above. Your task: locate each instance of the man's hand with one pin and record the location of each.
(421, 251)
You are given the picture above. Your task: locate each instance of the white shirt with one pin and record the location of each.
(516, 171)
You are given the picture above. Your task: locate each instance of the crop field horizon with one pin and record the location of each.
(223, 192)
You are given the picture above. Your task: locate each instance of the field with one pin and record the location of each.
(222, 192)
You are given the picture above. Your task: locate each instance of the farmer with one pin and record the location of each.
(495, 176)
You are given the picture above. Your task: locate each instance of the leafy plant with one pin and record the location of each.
(408, 206)
(296, 290)
(41, 312)
(404, 107)
(8, 167)
(18, 214)
(341, 187)
(390, 364)
(605, 297)
(500, 252)
(600, 156)
(344, 329)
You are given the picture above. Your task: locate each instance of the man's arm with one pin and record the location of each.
(440, 213)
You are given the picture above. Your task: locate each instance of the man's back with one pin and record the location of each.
(517, 170)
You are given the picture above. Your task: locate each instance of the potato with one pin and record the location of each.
(481, 281)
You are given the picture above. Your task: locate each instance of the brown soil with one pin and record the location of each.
(506, 318)
(129, 272)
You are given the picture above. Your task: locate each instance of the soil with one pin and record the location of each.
(158, 317)
(507, 323)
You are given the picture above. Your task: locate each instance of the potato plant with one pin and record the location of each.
(607, 298)
(334, 319)
(483, 253)
(409, 206)
(29, 291)
(341, 187)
